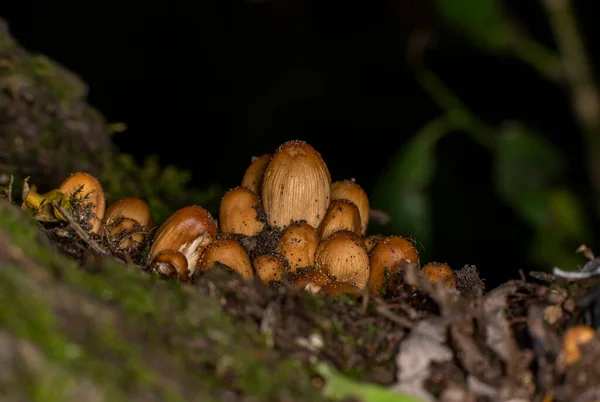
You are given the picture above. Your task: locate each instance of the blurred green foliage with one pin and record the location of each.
(481, 20)
(529, 171)
(166, 189)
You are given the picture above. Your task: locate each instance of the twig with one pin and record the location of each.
(365, 302)
(80, 232)
(537, 56)
(10, 187)
(398, 319)
(585, 97)
(456, 111)
(268, 321)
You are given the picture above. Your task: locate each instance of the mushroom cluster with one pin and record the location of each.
(286, 221)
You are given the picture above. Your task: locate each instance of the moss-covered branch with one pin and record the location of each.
(113, 333)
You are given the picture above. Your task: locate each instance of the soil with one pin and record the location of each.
(423, 339)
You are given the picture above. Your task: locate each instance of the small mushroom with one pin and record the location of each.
(125, 216)
(387, 261)
(341, 215)
(298, 244)
(187, 231)
(86, 188)
(227, 252)
(439, 272)
(350, 190)
(371, 241)
(335, 289)
(239, 212)
(253, 177)
(296, 186)
(573, 338)
(344, 258)
(269, 268)
(309, 279)
(171, 263)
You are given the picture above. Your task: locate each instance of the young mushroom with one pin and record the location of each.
(309, 279)
(86, 188)
(341, 288)
(341, 215)
(269, 268)
(371, 241)
(226, 252)
(296, 186)
(387, 261)
(184, 234)
(253, 177)
(573, 338)
(131, 216)
(439, 272)
(239, 212)
(298, 244)
(344, 258)
(350, 190)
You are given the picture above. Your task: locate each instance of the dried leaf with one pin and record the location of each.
(41, 205)
(426, 344)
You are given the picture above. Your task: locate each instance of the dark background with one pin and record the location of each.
(206, 85)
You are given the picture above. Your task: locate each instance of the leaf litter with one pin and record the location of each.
(424, 341)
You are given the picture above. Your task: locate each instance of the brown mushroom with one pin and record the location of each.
(87, 189)
(187, 231)
(371, 241)
(439, 272)
(343, 257)
(387, 261)
(298, 244)
(171, 263)
(341, 215)
(309, 279)
(296, 186)
(239, 212)
(226, 252)
(253, 177)
(573, 338)
(350, 190)
(269, 268)
(335, 289)
(125, 216)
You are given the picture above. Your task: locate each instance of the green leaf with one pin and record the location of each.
(339, 387)
(403, 191)
(481, 20)
(529, 177)
(527, 167)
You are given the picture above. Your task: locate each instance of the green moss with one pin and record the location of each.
(166, 189)
(27, 316)
(133, 315)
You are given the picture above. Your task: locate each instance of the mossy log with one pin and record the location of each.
(112, 333)
(47, 130)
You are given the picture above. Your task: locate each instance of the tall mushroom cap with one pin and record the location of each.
(296, 186)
